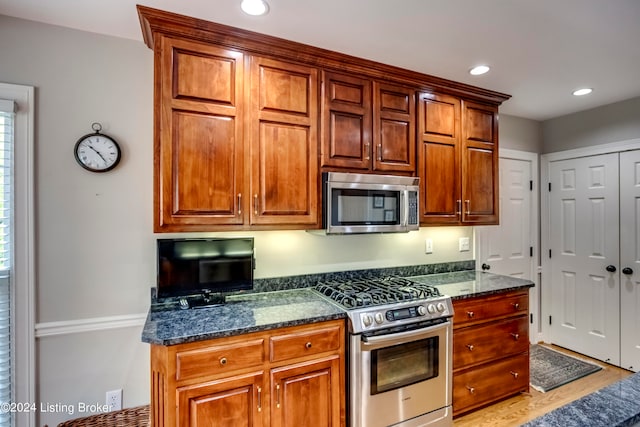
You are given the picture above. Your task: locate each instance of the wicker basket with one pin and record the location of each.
(129, 417)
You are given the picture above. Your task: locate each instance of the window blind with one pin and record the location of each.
(7, 117)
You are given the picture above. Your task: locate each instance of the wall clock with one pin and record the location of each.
(97, 152)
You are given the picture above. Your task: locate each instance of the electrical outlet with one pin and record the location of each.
(114, 400)
(428, 246)
(463, 244)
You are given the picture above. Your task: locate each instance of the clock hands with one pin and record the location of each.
(97, 152)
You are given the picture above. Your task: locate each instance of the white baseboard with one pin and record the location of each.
(66, 327)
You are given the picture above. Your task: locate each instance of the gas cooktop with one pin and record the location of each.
(384, 302)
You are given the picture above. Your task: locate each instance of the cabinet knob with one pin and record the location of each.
(611, 268)
(223, 361)
(470, 314)
(308, 345)
(516, 305)
(627, 271)
(470, 347)
(486, 266)
(515, 336)
(471, 389)
(515, 374)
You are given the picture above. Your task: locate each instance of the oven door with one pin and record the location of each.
(402, 378)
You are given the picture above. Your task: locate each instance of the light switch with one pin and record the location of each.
(428, 246)
(463, 244)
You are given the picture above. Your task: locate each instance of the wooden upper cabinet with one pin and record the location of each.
(458, 161)
(283, 141)
(199, 144)
(439, 158)
(480, 164)
(347, 121)
(243, 122)
(394, 136)
(367, 125)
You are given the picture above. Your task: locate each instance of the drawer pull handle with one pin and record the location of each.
(308, 345)
(255, 204)
(223, 361)
(515, 336)
(516, 305)
(470, 347)
(239, 204)
(515, 374)
(259, 399)
(470, 314)
(471, 390)
(278, 396)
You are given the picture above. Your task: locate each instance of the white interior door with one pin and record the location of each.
(584, 241)
(509, 248)
(630, 260)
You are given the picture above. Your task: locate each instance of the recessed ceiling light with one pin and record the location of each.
(480, 69)
(254, 7)
(584, 91)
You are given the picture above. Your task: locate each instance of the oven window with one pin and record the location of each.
(404, 364)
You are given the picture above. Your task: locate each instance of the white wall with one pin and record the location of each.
(517, 133)
(95, 245)
(610, 123)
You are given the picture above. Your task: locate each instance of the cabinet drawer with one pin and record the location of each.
(478, 344)
(494, 381)
(304, 343)
(482, 309)
(218, 359)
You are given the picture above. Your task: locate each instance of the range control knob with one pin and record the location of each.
(421, 310)
(367, 320)
(441, 307)
(431, 308)
(379, 318)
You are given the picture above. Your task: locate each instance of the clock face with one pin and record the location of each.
(97, 152)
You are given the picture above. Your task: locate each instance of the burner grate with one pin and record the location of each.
(366, 292)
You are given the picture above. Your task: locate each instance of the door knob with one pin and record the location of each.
(627, 270)
(486, 266)
(611, 268)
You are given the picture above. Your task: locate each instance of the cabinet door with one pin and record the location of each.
(346, 121)
(199, 143)
(307, 394)
(480, 164)
(232, 402)
(439, 158)
(394, 141)
(283, 143)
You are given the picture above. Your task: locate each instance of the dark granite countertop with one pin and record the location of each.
(617, 405)
(240, 314)
(469, 284)
(166, 324)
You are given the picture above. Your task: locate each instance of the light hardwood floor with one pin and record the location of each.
(525, 407)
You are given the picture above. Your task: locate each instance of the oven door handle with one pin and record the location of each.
(403, 337)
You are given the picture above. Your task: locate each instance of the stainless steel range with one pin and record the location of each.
(400, 346)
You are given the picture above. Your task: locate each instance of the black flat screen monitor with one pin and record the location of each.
(200, 266)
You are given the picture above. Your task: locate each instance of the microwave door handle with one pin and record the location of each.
(404, 201)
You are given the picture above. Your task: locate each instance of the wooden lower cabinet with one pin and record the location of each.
(283, 378)
(490, 349)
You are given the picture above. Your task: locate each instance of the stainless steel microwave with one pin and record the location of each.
(367, 203)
